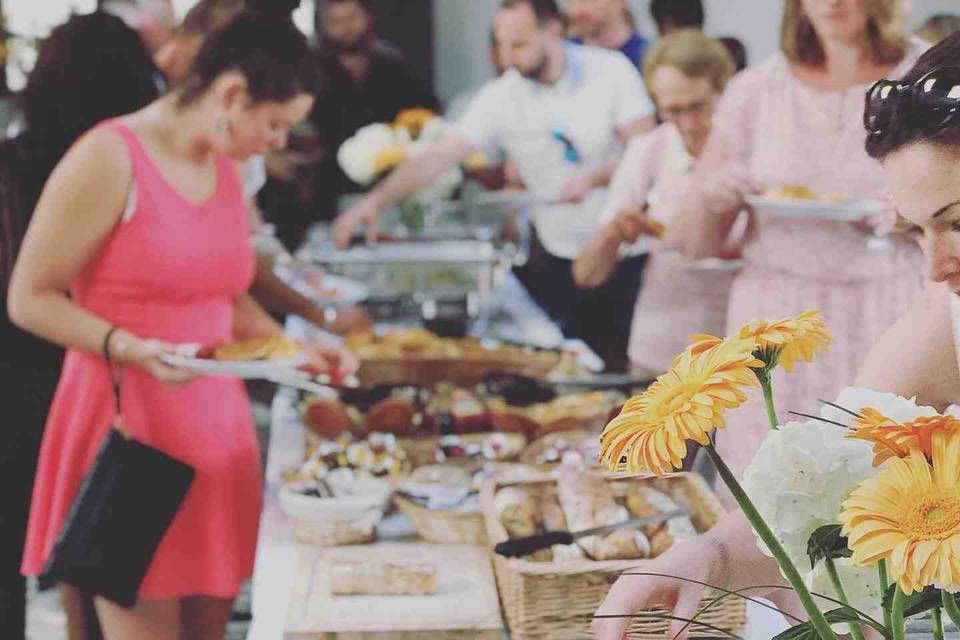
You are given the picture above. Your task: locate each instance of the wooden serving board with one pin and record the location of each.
(465, 605)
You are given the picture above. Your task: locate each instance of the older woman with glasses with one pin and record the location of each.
(793, 120)
(686, 72)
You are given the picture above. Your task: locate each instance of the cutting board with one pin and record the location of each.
(464, 606)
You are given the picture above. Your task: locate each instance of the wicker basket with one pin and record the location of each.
(548, 601)
(441, 526)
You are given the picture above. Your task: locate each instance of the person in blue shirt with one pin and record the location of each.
(607, 24)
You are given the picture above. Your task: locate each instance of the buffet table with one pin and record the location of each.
(278, 582)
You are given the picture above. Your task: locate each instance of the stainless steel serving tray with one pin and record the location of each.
(443, 267)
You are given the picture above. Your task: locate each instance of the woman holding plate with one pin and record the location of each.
(140, 243)
(795, 121)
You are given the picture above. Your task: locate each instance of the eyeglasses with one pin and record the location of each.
(932, 103)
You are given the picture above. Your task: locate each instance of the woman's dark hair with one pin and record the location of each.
(89, 69)
(904, 130)
(266, 47)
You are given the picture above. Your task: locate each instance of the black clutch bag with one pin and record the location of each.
(122, 511)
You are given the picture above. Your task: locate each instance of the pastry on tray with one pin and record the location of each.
(798, 192)
(269, 348)
(588, 410)
(423, 344)
(551, 448)
(377, 455)
(645, 501)
(575, 498)
(588, 501)
(375, 578)
(474, 449)
(396, 409)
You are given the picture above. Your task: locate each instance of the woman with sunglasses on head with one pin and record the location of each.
(795, 119)
(913, 129)
(139, 243)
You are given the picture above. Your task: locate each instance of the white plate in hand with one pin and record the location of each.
(248, 369)
(850, 211)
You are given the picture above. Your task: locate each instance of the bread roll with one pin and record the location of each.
(517, 512)
(588, 501)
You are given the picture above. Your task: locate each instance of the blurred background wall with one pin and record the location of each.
(448, 39)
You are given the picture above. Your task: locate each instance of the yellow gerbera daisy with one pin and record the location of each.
(798, 338)
(686, 403)
(897, 439)
(909, 515)
(389, 157)
(795, 338)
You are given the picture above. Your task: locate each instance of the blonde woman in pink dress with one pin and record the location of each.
(795, 119)
(686, 72)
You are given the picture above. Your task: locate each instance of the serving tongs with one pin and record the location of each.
(521, 547)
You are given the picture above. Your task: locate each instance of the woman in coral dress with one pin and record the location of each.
(140, 243)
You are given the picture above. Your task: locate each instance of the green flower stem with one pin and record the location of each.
(937, 624)
(950, 606)
(817, 619)
(855, 631)
(896, 616)
(884, 585)
(767, 386)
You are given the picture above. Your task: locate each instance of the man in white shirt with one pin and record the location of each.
(562, 113)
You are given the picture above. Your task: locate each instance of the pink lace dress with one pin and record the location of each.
(786, 133)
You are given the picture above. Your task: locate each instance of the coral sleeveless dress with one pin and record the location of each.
(170, 272)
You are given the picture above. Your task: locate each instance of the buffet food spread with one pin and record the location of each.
(467, 463)
(450, 443)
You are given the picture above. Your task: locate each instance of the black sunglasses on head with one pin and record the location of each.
(932, 103)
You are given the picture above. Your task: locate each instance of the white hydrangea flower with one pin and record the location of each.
(860, 584)
(891, 405)
(356, 155)
(798, 479)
